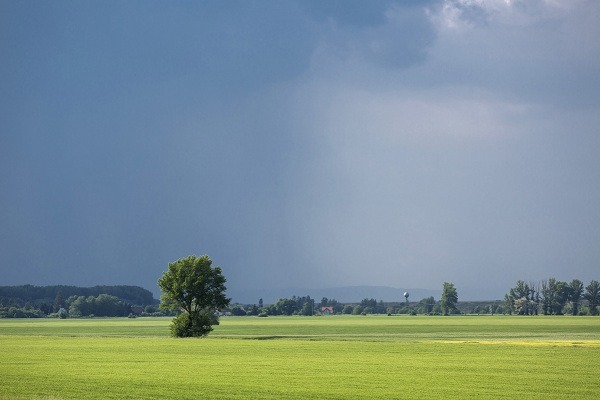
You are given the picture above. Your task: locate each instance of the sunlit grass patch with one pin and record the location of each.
(299, 358)
(534, 343)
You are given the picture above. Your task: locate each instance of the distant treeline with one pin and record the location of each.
(305, 305)
(20, 296)
(548, 297)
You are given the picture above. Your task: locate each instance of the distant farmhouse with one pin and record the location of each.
(327, 310)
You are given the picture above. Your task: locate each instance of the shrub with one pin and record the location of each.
(186, 325)
(150, 309)
(15, 312)
(238, 311)
(357, 310)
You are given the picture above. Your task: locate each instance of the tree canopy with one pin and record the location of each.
(192, 286)
(449, 298)
(592, 295)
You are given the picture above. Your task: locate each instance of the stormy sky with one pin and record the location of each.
(301, 144)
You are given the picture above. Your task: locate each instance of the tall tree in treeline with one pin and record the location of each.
(575, 292)
(523, 298)
(592, 295)
(555, 295)
(561, 297)
(58, 301)
(546, 296)
(425, 306)
(509, 304)
(449, 298)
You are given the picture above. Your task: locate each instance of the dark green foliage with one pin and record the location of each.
(369, 303)
(592, 295)
(150, 309)
(194, 287)
(552, 297)
(425, 306)
(238, 311)
(449, 298)
(192, 325)
(102, 306)
(58, 301)
(523, 299)
(508, 304)
(286, 306)
(307, 309)
(303, 305)
(38, 295)
(555, 295)
(371, 306)
(79, 302)
(14, 312)
(575, 292)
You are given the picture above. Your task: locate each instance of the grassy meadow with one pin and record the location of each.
(337, 357)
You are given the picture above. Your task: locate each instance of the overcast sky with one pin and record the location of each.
(301, 144)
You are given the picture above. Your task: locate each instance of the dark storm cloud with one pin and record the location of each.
(300, 144)
(471, 166)
(100, 170)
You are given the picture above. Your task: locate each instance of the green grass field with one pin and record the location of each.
(350, 357)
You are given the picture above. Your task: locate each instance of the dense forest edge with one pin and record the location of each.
(29, 301)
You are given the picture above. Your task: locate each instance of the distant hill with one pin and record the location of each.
(348, 294)
(134, 295)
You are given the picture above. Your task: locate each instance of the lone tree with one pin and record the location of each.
(449, 298)
(198, 290)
